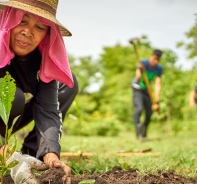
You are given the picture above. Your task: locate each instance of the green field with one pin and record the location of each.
(173, 147)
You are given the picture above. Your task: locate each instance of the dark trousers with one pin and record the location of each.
(141, 101)
(66, 96)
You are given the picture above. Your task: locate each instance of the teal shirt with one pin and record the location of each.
(151, 73)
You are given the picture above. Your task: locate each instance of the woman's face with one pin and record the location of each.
(26, 36)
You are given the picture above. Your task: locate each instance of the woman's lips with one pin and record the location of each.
(22, 43)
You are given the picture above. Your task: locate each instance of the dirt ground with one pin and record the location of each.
(115, 176)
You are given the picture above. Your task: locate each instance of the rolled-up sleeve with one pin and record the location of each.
(48, 119)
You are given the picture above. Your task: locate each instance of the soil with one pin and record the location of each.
(115, 176)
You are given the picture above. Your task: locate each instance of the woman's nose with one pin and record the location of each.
(27, 32)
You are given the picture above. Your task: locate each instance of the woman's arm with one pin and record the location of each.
(48, 120)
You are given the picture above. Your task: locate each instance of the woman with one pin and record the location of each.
(33, 52)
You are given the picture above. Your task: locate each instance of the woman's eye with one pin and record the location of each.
(40, 28)
(23, 22)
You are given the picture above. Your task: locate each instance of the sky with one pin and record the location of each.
(95, 24)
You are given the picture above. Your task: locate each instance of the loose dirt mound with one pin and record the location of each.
(132, 176)
(116, 176)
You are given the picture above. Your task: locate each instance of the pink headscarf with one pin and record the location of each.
(54, 65)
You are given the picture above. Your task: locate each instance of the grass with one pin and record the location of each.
(175, 142)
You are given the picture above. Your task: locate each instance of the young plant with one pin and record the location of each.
(7, 92)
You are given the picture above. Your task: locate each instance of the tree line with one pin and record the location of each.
(111, 76)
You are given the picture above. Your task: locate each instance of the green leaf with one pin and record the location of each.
(12, 147)
(7, 92)
(1, 140)
(9, 132)
(3, 111)
(12, 164)
(1, 158)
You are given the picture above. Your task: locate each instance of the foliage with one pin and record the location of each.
(112, 101)
(94, 125)
(112, 74)
(191, 43)
(87, 72)
(7, 92)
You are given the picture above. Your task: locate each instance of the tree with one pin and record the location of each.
(112, 102)
(190, 46)
(87, 72)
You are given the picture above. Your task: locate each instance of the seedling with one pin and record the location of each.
(7, 92)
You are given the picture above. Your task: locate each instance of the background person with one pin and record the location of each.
(141, 98)
(33, 52)
(192, 97)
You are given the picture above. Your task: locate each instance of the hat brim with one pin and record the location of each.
(37, 11)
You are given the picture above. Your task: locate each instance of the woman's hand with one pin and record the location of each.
(22, 171)
(53, 161)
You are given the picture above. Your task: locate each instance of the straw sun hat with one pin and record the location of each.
(43, 8)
